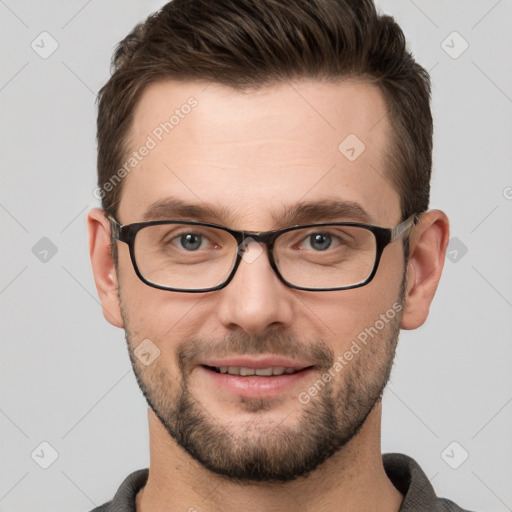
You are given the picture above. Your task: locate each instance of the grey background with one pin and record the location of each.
(66, 377)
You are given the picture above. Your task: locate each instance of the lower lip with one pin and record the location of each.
(255, 386)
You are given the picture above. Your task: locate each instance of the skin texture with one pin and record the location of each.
(249, 155)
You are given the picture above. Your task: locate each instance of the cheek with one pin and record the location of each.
(157, 314)
(149, 312)
(341, 317)
(167, 319)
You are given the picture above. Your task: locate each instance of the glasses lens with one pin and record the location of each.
(184, 256)
(326, 256)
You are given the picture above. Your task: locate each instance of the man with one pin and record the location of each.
(264, 171)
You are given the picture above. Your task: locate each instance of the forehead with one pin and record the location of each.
(252, 153)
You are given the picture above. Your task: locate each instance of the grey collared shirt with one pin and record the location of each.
(405, 474)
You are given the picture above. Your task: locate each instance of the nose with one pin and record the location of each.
(255, 299)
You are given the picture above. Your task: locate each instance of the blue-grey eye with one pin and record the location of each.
(191, 242)
(320, 241)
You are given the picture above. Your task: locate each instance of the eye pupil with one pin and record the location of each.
(190, 242)
(320, 241)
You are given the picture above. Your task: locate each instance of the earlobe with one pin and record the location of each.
(428, 242)
(103, 267)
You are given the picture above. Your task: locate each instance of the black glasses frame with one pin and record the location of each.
(383, 237)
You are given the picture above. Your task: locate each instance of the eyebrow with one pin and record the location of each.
(322, 211)
(301, 213)
(171, 208)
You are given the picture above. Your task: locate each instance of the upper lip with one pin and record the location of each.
(257, 362)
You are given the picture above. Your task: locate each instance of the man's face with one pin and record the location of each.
(247, 158)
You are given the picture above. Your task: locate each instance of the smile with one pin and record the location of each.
(261, 372)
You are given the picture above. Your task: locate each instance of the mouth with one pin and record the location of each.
(243, 371)
(256, 378)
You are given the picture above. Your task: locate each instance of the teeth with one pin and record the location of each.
(262, 372)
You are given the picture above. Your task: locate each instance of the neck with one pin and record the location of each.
(352, 479)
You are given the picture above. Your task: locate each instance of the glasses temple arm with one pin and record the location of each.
(403, 227)
(115, 227)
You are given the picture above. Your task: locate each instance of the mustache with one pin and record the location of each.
(277, 343)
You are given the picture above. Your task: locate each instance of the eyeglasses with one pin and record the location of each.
(191, 256)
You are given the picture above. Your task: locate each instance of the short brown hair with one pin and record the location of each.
(255, 43)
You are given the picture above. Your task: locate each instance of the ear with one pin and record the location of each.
(103, 267)
(428, 242)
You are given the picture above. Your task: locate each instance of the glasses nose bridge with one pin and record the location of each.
(265, 238)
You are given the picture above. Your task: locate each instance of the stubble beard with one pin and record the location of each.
(262, 450)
